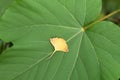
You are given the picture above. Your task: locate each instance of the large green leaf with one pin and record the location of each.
(29, 24)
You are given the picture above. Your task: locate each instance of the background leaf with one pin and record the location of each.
(110, 6)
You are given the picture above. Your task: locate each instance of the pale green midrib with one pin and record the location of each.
(29, 26)
(93, 48)
(98, 61)
(31, 66)
(84, 67)
(77, 33)
(76, 56)
(74, 35)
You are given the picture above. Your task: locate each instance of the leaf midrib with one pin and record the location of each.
(76, 55)
(29, 26)
(31, 66)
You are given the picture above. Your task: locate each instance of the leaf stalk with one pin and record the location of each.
(103, 18)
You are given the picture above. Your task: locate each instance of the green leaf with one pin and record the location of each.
(107, 47)
(29, 24)
(4, 5)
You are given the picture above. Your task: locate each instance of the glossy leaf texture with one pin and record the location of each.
(29, 24)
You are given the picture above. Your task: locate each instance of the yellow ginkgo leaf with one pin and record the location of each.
(59, 44)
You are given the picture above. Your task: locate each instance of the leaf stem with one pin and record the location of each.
(103, 18)
(51, 55)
